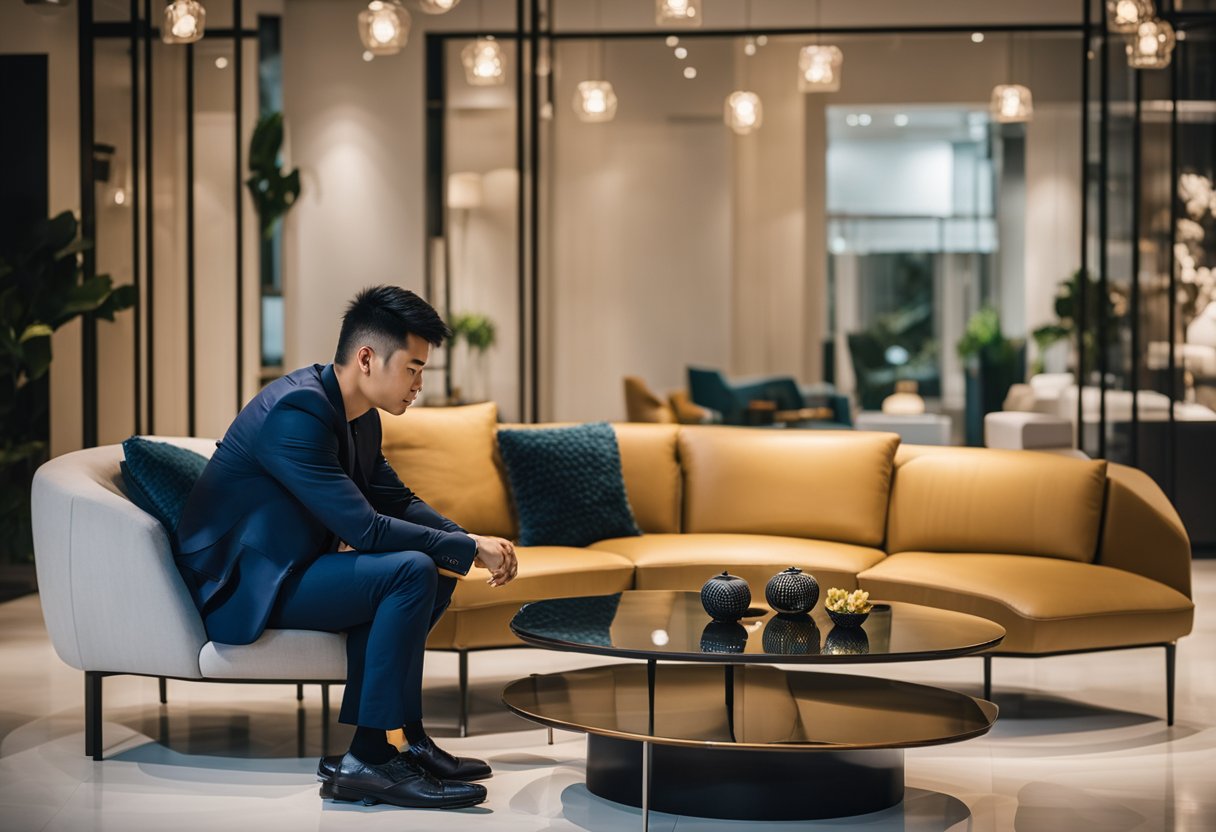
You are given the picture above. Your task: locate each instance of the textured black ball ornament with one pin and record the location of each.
(726, 597)
(723, 637)
(792, 592)
(794, 635)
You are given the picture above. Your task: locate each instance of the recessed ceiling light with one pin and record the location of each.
(864, 119)
(690, 72)
(221, 62)
(901, 120)
(681, 52)
(851, 119)
(761, 40)
(977, 37)
(672, 40)
(367, 56)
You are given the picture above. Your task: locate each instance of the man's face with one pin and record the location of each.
(393, 385)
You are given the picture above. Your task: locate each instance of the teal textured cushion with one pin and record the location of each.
(159, 476)
(567, 485)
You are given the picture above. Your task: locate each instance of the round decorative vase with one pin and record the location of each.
(791, 635)
(846, 641)
(848, 619)
(792, 592)
(726, 597)
(723, 637)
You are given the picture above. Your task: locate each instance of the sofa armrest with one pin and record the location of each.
(1142, 532)
(111, 594)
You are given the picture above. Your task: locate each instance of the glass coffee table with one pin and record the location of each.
(721, 733)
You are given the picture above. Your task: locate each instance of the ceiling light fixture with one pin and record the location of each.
(677, 12)
(185, 21)
(384, 27)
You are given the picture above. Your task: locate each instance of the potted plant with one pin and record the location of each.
(478, 334)
(994, 363)
(1067, 308)
(41, 289)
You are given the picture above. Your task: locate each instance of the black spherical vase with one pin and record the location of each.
(792, 592)
(791, 635)
(723, 637)
(726, 597)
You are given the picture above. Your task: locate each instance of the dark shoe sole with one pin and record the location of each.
(344, 794)
(327, 784)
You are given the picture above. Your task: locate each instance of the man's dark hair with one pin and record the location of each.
(383, 317)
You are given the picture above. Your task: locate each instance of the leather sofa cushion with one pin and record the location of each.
(547, 572)
(448, 457)
(652, 474)
(686, 561)
(1008, 502)
(1140, 524)
(1045, 604)
(827, 485)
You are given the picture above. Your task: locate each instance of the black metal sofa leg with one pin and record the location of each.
(164, 691)
(464, 693)
(92, 714)
(1170, 656)
(988, 678)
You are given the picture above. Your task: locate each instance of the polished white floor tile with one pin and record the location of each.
(1081, 745)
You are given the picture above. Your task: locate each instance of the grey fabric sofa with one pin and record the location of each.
(114, 603)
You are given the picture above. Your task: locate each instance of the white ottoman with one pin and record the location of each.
(1019, 430)
(914, 429)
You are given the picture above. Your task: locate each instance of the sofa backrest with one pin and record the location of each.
(449, 457)
(111, 595)
(982, 500)
(830, 485)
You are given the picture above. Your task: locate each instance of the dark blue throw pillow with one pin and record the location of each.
(158, 477)
(567, 485)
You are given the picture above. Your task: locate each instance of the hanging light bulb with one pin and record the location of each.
(1124, 16)
(1011, 103)
(184, 21)
(1151, 46)
(744, 112)
(677, 12)
(483, 63)
(819, 68)
(437, 6)
(595, 101)
(384, 27)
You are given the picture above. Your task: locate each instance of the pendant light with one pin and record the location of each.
(484, 65)
(819, 66)
(1125, 16)
(437, 6)
(1152, 45)
(1011, 103)
(595, 99)
(743, 110)
(384, 27)
(184, 21)
(677, 12)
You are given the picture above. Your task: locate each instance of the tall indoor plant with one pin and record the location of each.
(479, 334)
(42, 287)
(994, 363)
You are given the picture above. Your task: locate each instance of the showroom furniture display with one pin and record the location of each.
(779, 395)
(912, 428)
(1065, 554)
(1026, 431)
(875, 376)
(642, 405)
(733, 737)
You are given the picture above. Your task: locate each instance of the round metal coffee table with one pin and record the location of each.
(731, 736)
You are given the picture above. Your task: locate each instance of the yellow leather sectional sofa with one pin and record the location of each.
(1068, 555)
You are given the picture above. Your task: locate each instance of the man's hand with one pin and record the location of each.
(498, 556)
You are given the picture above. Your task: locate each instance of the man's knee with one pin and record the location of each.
(414, 570)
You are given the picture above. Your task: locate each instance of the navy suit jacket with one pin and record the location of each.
(288, 481)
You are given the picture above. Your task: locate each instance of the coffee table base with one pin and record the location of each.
(747, 784)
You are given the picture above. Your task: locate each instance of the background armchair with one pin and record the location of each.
(710, 388)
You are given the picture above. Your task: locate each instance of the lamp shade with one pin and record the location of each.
(744, 112)
(437, 6)
(1012, 103)
(483, 61)
(1151, 46)
(819, 68)
(464, 190)
(184, 22)
(595, 101)
(384, 27)
(1124, 16)
(677, 12)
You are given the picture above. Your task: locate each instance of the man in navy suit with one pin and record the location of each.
(299, 522)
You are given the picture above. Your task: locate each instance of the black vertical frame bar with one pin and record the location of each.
(1171, 434)
(534, 218)
(436, 221)
(149, 263)
(190, 353)
(521, 253)
(1100, 345)
(136, 247)
(88, 221)
(238, 31)
(1134, 304)
(1082, 283)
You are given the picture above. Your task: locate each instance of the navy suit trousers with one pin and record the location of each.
(386, 604)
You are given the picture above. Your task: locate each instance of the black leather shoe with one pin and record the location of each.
(445, 766)
(402, 782)
(327, 767)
